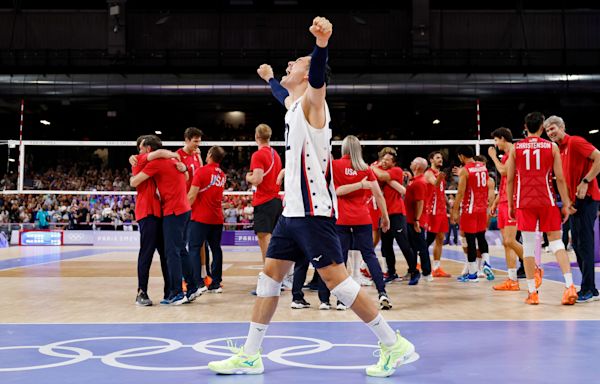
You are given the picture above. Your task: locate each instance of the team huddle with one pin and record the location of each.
(333, 207)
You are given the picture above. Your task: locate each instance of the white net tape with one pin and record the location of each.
(100, 144)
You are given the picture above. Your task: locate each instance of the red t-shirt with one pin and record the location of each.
(436, 203)
(503, 197)
(210, 180)
(267, 159)
(352, 207)
(534, 163)
(416, 191)
(147, 202)
(171, 185)
(192, 162)
(574, 153)
(393, 198)
(476, 193)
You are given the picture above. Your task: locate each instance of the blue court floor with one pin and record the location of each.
(301, 352)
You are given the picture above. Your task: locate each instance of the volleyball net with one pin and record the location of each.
(85, 184)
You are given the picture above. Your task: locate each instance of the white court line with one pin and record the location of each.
(310, 321)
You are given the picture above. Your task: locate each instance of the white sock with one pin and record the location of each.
(531, 285)
(383, 265)
(436, 264)
(203, 271)
(512, 274)
(356, 262)
(568, 279)
(486, 258)
(473, 267)
(256, 334)
(383, 331)
(479, 263)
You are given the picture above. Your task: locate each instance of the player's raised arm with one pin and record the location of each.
(265, 71)
(314, 102)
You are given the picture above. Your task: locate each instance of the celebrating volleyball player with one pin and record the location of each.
(170, 182)
(533, 160)
(306, 228)
(149, 217)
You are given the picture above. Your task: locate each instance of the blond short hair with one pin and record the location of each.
(263, 132)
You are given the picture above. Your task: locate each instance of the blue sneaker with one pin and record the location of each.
(468, 278)
(391, 278)
(175, 300)
(585, 297)
(487, 269)
(414, 278)
(192, 295)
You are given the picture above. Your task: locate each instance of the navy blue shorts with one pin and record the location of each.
(314, 238)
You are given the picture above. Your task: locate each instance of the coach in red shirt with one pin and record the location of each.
(265, 166)
(416, 216)
(206, 197)
(391, 177)
(581, 165)
(176, 214)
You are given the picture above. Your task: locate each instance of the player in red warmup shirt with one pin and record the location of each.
(191, 156)
(149, 217)
(206, 197)
(533, 161)
(391, 177)
(176, 213)
(473, 195)
(353, 178)
(416, 215)
(437, 225)
(508, 228)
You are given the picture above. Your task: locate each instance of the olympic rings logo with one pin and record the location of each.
(75, 355)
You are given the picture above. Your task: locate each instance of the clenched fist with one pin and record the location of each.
(265, 72)
(322, 29)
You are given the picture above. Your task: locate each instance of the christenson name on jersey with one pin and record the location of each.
(534, 163)
(534, 145)
(309, 189)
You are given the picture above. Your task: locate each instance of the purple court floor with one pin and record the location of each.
(300, 352)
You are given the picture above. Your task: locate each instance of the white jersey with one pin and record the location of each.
(309, 189)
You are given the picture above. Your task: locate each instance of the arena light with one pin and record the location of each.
(158, 132)
(593, 131)
(436, 122)
(11, 160)
(45, 122)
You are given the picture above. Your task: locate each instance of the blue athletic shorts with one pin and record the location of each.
(314, 238)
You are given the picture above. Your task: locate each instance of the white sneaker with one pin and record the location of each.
(325, 306)
(428, 278)
(287, 282)
(363, 281)
(340, 306)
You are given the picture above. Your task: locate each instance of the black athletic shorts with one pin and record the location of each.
(266, 216)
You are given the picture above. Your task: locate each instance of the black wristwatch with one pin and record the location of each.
(584, 180)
